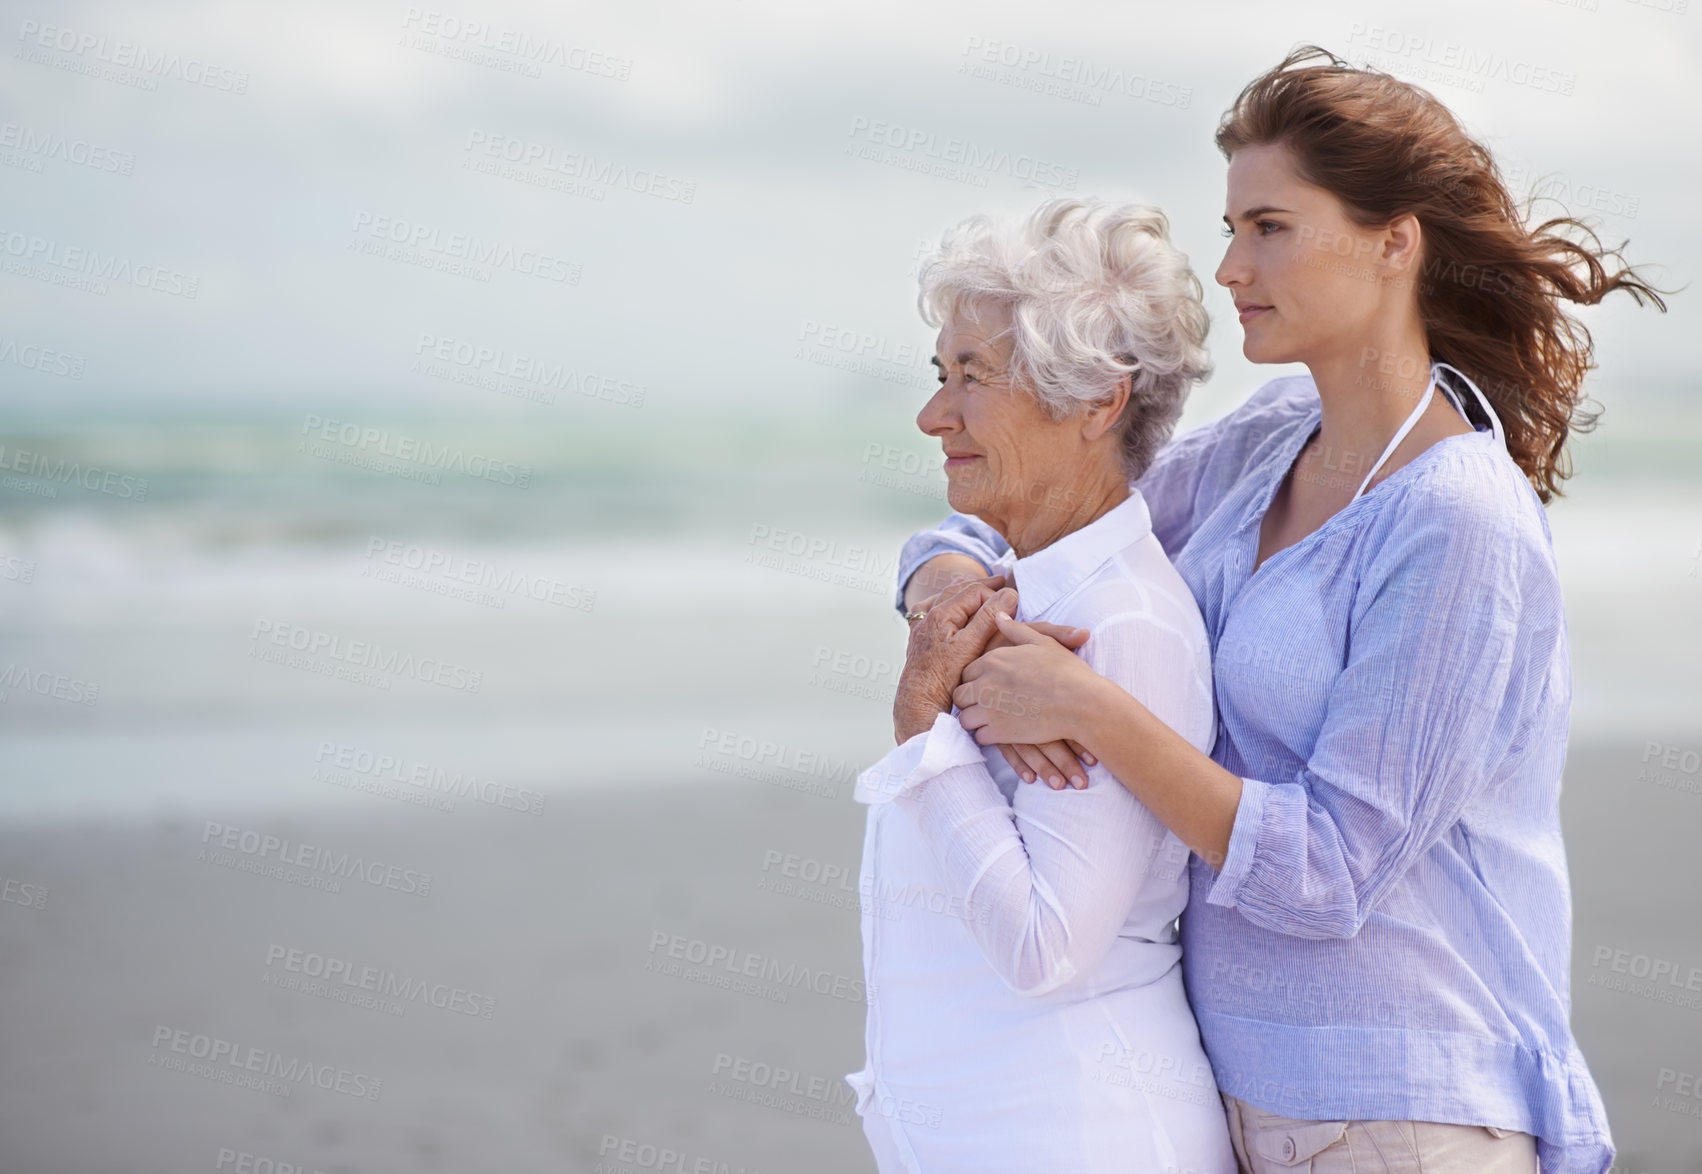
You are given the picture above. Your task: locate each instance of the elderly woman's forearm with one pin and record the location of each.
(1050, 878)
(1191, 794)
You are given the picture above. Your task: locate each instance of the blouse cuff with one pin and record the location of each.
(1243, 839)
(907, 766)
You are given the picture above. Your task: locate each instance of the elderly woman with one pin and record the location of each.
(1026, 1006)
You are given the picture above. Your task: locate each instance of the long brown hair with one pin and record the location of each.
(1492, 288)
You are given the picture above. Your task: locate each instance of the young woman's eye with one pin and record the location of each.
(1266, 227)
(1227, 231)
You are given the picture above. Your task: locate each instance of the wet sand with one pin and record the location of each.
(597, 1044)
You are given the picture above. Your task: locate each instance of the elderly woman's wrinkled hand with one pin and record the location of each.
(954, 632)
(992, 582)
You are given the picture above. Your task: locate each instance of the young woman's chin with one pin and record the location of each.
(1261, 344)
(1264, 350)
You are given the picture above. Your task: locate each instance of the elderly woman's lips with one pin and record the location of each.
(961, 460)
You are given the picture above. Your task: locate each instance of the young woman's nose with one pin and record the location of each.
(1233, 270)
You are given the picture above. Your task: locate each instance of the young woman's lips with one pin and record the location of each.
(1252, 312)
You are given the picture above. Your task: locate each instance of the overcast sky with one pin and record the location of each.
(709, 190)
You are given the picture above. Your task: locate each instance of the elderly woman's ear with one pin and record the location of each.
(1103, 417)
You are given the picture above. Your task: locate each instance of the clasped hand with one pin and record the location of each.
(1016, 685)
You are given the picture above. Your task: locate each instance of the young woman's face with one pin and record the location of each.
(1309, 284)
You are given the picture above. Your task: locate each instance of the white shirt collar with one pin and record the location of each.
(1049, 574)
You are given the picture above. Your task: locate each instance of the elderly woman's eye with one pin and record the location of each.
(1227, 231)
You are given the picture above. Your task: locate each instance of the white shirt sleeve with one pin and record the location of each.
(1050, 879)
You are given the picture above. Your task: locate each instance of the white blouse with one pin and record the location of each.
(1025, 1002)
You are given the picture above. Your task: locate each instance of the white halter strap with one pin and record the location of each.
(1424, 402)
(1400, 433)
(1483, 400)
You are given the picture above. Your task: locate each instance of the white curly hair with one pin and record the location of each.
(1096, 290)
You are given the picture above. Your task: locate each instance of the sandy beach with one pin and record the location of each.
(560, 929)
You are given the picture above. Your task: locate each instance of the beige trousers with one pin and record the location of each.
(1268, 1144)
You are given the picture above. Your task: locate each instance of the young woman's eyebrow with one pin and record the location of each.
(1255, 213)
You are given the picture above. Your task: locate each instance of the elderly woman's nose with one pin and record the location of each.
(933, 416)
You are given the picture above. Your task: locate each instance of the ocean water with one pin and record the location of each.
(227, 602)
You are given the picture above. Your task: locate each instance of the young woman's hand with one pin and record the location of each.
(1030, 692)
(1055, 761)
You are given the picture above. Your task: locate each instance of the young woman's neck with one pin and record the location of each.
(1369, 387)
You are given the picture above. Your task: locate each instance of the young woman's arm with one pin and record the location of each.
(1455, 624)
(961, 547)
(938, 573)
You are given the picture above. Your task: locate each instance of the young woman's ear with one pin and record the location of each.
(1401, 242)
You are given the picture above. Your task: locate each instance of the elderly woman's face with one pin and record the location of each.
(1005, 457)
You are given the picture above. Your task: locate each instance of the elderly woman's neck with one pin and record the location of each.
(1033, 526)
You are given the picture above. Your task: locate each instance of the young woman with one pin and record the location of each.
(1377, 934)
